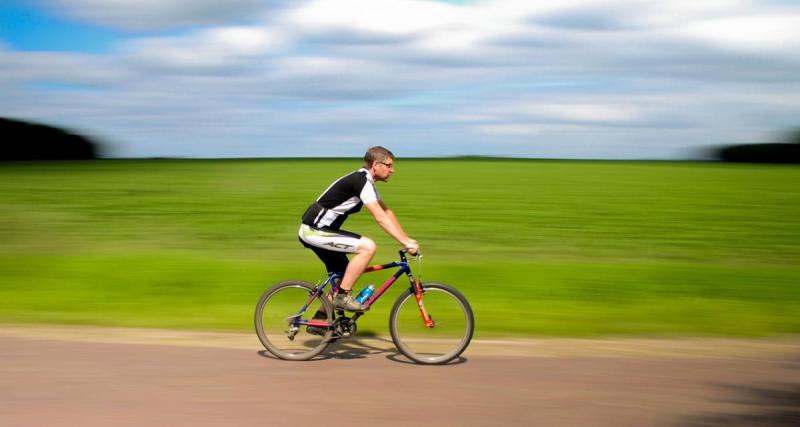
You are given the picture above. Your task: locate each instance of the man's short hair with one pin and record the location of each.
(376, 154)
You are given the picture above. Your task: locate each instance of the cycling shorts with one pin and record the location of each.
(331, 246)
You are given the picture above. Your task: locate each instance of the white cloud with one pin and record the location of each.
(494, 77)
(158, 14)
(505, 129)
(582, 112)
(760, 33)
(216, 47)
(56, 67)
(375, 18)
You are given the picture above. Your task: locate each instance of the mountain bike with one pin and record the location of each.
(430, 323)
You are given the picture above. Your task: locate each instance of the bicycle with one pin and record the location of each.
(284, 325)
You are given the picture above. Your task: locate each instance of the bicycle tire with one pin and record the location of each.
(452, 331)
(273, 311)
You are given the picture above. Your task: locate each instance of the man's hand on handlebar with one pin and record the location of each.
(411, 246)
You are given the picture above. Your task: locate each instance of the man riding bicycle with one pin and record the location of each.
(321, 230)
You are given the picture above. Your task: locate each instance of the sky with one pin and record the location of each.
(592, 79)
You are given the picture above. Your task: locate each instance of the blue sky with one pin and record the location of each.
(26, 27)
(256, 78)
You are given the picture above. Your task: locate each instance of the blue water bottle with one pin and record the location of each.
(365, 293)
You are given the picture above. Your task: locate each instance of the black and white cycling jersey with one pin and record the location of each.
(345, 196)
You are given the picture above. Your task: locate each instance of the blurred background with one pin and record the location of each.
(254, 78)
(577, 169)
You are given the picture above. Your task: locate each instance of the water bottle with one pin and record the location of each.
(365, 293)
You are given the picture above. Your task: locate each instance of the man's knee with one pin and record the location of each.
(367, 245)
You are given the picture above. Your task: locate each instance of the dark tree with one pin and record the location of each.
(776, 152)
(793, 137)
(32, 141)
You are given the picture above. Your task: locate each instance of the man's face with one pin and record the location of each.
(383, 169)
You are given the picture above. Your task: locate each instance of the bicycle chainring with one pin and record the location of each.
(344, 327)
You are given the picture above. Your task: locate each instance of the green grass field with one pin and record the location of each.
(541, 248)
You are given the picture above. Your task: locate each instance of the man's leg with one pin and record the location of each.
(359, 261)
(331, 246)
(344, 299)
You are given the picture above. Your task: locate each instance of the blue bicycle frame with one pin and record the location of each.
(404, 268)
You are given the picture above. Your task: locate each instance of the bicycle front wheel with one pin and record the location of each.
(451, 333)
(280, 316)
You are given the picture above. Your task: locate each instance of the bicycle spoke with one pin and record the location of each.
(451, 331)
(278, 322)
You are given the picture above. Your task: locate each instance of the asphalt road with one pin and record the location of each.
(51, 381)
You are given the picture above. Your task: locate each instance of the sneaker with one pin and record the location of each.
(347, 302)
(318, 330)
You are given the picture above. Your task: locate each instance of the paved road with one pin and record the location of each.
(71, 383)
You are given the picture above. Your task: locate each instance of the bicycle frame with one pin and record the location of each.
(404, 268)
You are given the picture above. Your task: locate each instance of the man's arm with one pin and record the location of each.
(388, 221)
(392, 217)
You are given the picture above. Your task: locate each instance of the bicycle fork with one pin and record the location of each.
(418, 293)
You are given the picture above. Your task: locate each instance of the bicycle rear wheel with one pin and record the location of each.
(452, 330)
(278, 313)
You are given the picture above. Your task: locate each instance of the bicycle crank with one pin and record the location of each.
(344, 327)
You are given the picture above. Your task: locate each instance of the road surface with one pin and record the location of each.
(106, 377)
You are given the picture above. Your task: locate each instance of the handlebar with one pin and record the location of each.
(402, 252)
(417, 258)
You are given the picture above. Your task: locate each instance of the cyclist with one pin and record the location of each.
(321, 230)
